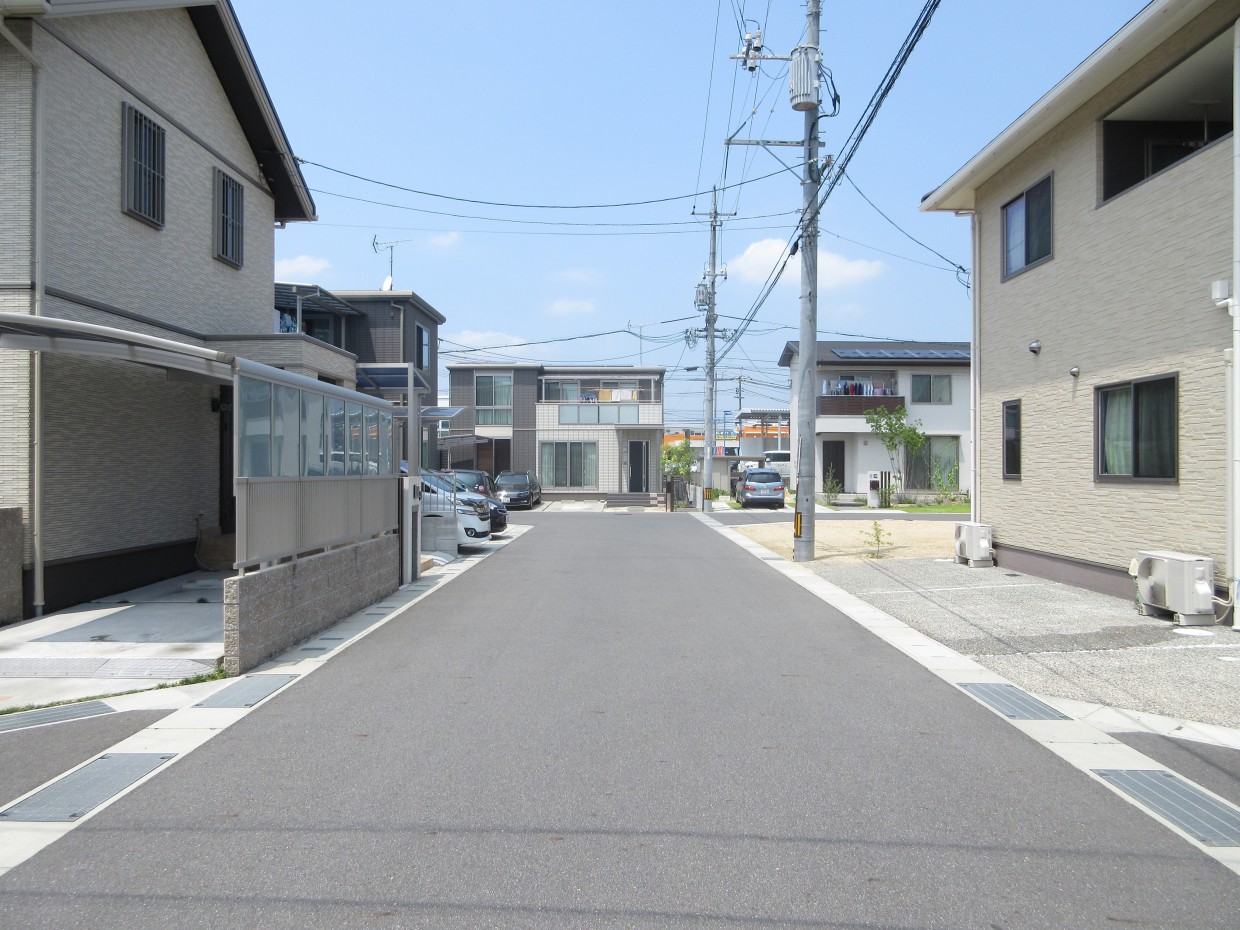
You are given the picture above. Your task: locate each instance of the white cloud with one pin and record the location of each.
(577, 276)
(445, 240)
(302, 269)
(568, 307)
(837, 271)
(760, 258)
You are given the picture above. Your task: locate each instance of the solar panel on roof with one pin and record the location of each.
(920, 354)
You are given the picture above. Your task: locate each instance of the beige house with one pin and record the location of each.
(147, 400)
(1101, 219)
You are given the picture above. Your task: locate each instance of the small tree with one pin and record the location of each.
(678, 460)
(896, 433)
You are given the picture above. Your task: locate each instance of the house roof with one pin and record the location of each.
(312, 297)
(1143, 33)
(234, 65)
(394, 296)
(884, 354)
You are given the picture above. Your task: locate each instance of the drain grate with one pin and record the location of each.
(82, 791)
(37, 718)
(247, 692)
(1206, 819)
(1013, 703)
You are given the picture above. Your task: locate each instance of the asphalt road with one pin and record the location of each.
(621, 720)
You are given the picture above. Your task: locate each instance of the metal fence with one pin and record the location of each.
(282, 517)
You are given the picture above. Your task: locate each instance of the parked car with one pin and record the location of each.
(472, 482)
(519, 488)
(441, 495)
(475, 479)
(760, 486)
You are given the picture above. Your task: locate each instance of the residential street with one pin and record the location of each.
(620, 720)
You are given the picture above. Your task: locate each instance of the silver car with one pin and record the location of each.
(760, 486)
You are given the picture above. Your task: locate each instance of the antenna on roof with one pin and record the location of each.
(391, 247)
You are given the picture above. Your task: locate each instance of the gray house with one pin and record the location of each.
(588, 431)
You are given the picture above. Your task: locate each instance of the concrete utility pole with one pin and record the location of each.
(806, 96)
(705, 300)
(804, 71)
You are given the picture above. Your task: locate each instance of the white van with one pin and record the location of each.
(781, 461)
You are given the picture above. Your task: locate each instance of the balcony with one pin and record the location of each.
(854, 405)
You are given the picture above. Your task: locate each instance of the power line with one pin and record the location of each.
(520, 206)
(960, 269)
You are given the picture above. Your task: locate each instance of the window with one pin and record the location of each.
(859, 383)
(932, 389)
(229, 218)
(569, 464)
(1011, 439)
(1027, 228)
(1183, 111)
(1137, 430)
(936, 466)
(143, 166)
(493, 399)
(423, 348)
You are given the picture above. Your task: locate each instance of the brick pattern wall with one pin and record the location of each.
(268, 611)
(16, 153)
(93, 248)
(1126, 295)
(15, 370)
(131, 457)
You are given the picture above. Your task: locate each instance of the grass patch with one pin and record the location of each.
(932, 508)
(214, 675)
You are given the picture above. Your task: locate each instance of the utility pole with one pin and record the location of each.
(804, 70)
(806, 96)
(704, 299)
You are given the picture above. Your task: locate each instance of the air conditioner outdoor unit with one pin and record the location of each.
(1177, 584)
(973, 545)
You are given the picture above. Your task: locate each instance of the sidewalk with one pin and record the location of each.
(1083, 651)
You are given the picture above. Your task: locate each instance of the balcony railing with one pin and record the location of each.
(853, 405)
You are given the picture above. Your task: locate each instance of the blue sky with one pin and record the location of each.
(578, 104)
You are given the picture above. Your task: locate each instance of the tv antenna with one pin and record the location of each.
(391, 247)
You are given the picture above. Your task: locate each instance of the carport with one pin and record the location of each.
(314, 477)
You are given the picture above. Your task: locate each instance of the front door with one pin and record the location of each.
(833, 461)
(637, 467)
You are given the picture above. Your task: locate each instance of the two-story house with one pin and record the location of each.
(588, 432)
(928, 379)
(383, 333)
(144, 397)
(1101, 219)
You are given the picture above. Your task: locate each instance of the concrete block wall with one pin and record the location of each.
(11, 547)
(267, 611)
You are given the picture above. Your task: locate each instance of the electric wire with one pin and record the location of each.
(515, 206)
(831, 178)
(955, 265)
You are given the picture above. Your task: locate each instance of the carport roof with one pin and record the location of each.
(53, 334)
